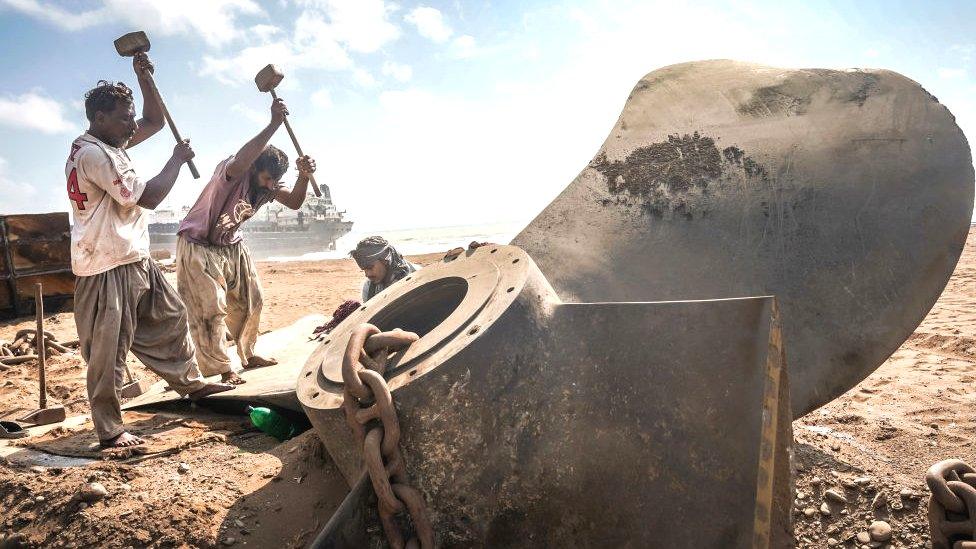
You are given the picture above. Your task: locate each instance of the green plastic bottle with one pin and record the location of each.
(271, 422)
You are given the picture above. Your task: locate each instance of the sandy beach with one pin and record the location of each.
(871, 446)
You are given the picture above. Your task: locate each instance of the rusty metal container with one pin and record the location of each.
(35, 248)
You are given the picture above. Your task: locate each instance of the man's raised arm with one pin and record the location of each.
(158, 187)
(296, 196)
(152, 108)
(250, 151)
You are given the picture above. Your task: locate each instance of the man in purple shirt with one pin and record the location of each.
(215, 275)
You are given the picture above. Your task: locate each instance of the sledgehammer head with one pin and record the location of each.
(268, 78)
(132, 43)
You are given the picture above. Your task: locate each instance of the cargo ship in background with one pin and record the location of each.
(275, 230)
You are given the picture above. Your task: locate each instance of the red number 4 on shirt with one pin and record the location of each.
(74, 192)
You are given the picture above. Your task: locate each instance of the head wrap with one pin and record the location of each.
(375, 248)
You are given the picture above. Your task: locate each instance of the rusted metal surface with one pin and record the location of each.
(34, 248)
(846, 194)
(526, 421)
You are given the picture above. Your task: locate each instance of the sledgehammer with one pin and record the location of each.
(267, 79)
(137, 42)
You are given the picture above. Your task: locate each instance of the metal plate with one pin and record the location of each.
(847, 194)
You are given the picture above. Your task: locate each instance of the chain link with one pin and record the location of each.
(951, 508)
(368, 405)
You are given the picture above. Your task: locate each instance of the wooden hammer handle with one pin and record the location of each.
(298, 148)
(172, 126)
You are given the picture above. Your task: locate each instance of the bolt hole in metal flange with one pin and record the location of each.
(515, 260)
(510, 290)
(308, 373)
(474, 330)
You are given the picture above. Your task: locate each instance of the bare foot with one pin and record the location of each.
(122, 441)
(232, 378)
(257, 362)
(209, 389)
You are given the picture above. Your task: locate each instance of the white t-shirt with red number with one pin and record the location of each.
(109, 229)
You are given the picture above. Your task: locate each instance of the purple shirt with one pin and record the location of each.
(223, 206)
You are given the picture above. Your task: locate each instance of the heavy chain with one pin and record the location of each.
(24, 347)
(370, 414)
(952, 507)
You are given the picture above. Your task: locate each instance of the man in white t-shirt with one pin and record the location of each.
(122, 301)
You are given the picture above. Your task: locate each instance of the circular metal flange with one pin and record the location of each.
(446, 304)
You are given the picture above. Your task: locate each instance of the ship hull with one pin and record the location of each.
(319, 237)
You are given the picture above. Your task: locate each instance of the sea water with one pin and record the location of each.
(418, 241)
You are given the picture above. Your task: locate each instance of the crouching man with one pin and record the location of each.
(122, 301)
(381, 263)
(215, 273)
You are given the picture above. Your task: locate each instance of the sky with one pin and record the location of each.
(424, 114)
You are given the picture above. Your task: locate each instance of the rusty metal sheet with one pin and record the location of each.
(526, 421)
(34, 248)
(846, 194)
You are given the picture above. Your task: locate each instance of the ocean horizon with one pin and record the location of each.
(417, 241)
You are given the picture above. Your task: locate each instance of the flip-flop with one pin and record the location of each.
(11, 429)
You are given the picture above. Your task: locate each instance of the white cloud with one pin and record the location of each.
(68, 20)
(264, 33)
(363, 78)
(362, 25)
(251, 113)
(18, 196)
(322, 99)
(312, 46)
(430, 23)
(322, 36)
(951, 73)
(398, 71)
(463, 47)
(213, 20)
(35, 112)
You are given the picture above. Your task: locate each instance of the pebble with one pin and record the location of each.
(238, 523)
(862, 481)
(835, 446)
(93, 492)
(880, 500)
(835, 496)
(801, 495)
(824, 509)
(183, 468)
(82, 506)
(809, 512)
(880, 530)
(905, 493)
(38, 469)
(832, 542)
(39, 499)
(815, 481)
(125, 487)
(847, 483)
(863, 537)
(897, 506)
(229, 541)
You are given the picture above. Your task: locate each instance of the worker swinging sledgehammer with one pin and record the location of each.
(215, 273)
(122, 301)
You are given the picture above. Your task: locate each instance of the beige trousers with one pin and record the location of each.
(131, 308)
(220, 287)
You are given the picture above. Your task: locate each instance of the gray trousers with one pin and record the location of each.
(131, 308)
(220, 287)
